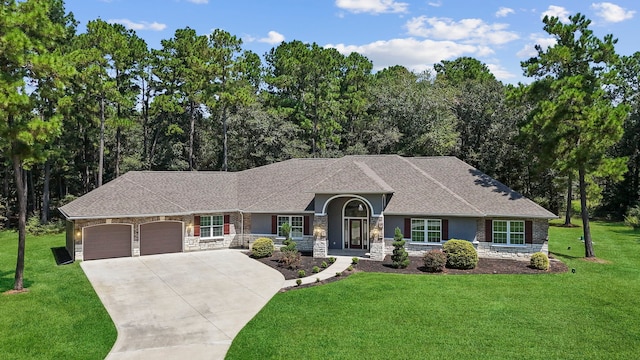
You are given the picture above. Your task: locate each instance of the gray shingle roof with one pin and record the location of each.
(443, 186)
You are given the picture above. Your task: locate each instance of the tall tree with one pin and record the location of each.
(180, 68)
(305, 82)
(416, 107)
(25, 58)
(232, 80)
(574, 122)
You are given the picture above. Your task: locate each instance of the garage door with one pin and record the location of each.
(106, 241)
(160, 237)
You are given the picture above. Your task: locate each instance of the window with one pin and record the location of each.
(211, 226)
(508, 232)
(296, 223)
(426, 230)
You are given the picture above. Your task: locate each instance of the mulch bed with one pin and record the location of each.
(307, 262)
(485, 266)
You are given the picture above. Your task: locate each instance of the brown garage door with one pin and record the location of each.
(160, 237)
(107, 241)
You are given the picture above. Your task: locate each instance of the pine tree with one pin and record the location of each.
(400, 257)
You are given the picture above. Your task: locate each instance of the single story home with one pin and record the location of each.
(350, 204)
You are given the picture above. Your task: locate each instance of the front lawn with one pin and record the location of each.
(590, 314)
(60, 317)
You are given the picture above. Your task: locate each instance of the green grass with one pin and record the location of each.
(60, 317)
(593, 313)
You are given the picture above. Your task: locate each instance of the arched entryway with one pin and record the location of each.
(355, 225)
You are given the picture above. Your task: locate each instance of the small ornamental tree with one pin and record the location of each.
(400, 257)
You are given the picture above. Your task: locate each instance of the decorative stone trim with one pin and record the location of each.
(320, 243)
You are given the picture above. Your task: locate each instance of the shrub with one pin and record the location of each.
(289, 246)
(460, 254)
(315, 269)
(435, 260)
(400, 257)
(302, 273)
(324, 265)
(633, 217)
(262, 247)
(332, 260)
(290, 259)
(299, 282)
(540, 261)
(338, 274)
(354, 260)
(285, 229)
(34, 227)
(317, 280)
(350, 268)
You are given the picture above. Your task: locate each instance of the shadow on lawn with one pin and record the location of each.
(7, 279)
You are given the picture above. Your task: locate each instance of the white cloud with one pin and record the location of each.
(372, 6)
(529, 49)
(611, 12)
(199, 1)
(557, 11)
(272, 38)
(504, 11)
(500, 72)
(468, 30)
(416, 55)
(435, 4)
(142, 25)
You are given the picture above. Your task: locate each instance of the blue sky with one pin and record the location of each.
(415, 34)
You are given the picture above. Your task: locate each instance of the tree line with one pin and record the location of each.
(79, 109)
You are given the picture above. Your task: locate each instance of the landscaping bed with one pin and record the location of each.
(307, 262)
(485, 266)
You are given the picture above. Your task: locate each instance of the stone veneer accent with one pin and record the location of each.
(320, 243)
(376, 240)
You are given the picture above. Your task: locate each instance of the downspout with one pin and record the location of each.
(242, 227)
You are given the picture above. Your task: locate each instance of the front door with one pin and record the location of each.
(355, 234)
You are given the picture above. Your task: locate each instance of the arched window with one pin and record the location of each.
(355, 208)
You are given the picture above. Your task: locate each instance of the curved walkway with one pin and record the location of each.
(184, 305)
(340, 265)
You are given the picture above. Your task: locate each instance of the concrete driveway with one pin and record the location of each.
(181, 306)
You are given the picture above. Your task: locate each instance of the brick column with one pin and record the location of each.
(320, 242)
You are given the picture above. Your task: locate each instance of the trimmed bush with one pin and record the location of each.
(302, 273)
(435, 260)
(338, 274)
(262, 247)
(350, 268)
(315, 269)
(332, 260)
(460, 254)
(400, 257)
(540, 261)
(324, 265)
(354, 260)
(299, 282)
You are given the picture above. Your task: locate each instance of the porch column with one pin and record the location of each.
(320, 242)
(376, 236)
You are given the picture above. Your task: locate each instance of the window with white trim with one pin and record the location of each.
(296, 223)
(426, 230)
(508, 232)
(211, 226)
